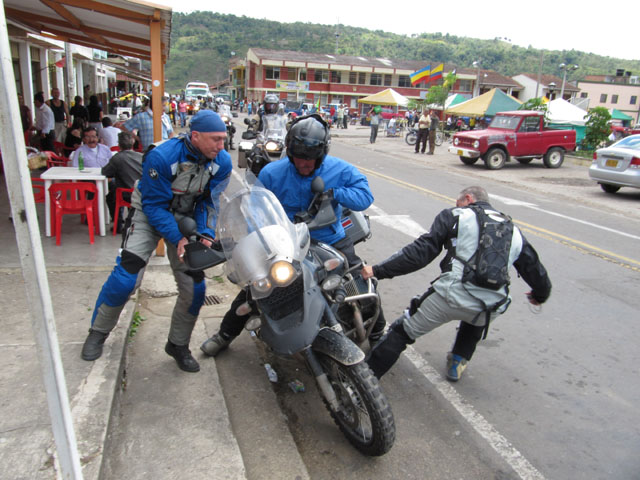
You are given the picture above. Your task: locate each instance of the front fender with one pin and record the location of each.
(338, 347)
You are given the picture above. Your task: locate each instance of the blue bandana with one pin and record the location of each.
(207, 121)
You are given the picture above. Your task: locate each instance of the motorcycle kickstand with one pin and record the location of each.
(327, 390)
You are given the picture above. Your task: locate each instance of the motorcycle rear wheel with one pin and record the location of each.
(365, 416)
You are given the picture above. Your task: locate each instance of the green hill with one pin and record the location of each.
(203, 42)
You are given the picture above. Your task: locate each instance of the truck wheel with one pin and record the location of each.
(467, 160)
(495, 159)
(524, 161)
(609, 188)
(553, 158)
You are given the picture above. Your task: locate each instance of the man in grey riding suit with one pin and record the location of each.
(451, 297)
(181, 177)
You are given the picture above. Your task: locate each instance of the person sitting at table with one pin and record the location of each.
(125, 167)
(93, 153)
(74, 135)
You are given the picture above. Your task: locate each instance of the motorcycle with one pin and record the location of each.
(412, 136)
(225, 114)
(269, 142)
(308, 303)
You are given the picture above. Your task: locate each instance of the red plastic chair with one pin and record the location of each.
(115, 148)
(120, 202)
(55, 160)
(62, 150)
(38, 189)
(71, 198)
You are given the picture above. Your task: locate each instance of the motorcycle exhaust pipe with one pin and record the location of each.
(361, 334)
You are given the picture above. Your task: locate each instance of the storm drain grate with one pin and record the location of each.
(212, 300)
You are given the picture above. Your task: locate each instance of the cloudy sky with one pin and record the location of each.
(554, 25)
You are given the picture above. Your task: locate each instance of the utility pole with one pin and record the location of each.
(539, 73)
(337, 35)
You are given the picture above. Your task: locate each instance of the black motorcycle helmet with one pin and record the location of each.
(271, 103)
(308, 138)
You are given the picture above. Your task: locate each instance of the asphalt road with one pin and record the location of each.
(550, 393)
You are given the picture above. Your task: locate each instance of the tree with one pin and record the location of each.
(597, 127)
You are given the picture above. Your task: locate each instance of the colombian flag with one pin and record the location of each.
(420, 75)
(436, 73)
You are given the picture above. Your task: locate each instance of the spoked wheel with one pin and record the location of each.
(439, 138)
(364, 416)
(411, 138)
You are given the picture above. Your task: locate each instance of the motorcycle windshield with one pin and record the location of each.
(257, 236)
(275, 128)
(224, 110)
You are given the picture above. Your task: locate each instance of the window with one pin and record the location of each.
(335, 77)
(353, 77)
(530, 124)
(376, 79)
(465, 85)
(583, 95)
(387, 80)
(603, 98)
(633, 100)
(291, 74)
(272, 73)
(614, 98)
(404, 81)
(303, 75)
(321, 76)
(362, 78)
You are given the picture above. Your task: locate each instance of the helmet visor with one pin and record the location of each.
(307, 149)
(270, 108)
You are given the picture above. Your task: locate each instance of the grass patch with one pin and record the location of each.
(135, 325)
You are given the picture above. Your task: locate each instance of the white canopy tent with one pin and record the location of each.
(562, 112)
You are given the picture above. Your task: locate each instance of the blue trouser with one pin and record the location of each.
(138, 246)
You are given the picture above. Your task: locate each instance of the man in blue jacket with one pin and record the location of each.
(180, 177)
(290, 180)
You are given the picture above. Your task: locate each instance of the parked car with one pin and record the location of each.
(618, 165)
(519, 134)
(292, 107)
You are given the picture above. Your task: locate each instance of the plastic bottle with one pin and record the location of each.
(80, 161)
(271, 373)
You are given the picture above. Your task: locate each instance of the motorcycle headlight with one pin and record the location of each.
(282, 273)
(225, 119)
(271, 146)
(456, 141)
(262, 284)
(476, 144)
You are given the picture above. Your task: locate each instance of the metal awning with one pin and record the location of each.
(116, 26)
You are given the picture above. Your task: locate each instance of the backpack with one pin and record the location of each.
(488, 267)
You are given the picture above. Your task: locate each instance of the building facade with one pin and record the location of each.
(620, 91)
(549, 86)
(324, 78)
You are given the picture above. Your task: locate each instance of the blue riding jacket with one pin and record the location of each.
(350, 189)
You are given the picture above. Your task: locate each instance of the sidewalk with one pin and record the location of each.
(76, 272)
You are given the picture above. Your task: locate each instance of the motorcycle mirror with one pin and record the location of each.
(317, 185)
(246, 121)
(188, 227)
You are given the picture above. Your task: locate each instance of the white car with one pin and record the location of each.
(618, 165)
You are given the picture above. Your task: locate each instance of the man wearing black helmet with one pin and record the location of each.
(290, 180)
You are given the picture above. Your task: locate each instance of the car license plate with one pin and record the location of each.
(459, 152)
(611, 163)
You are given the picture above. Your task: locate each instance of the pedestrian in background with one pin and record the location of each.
(423, 131)
(375, 123)
(433, 127)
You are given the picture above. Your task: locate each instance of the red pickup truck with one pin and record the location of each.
(519, 134)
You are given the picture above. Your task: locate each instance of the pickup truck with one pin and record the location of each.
(519, 134)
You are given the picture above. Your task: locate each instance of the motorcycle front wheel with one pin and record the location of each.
(364, 415)
(439, 138)
(411, 138)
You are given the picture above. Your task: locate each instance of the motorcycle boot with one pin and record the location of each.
(387, 352)
(92, 348)
(182, 356)
(214, 345)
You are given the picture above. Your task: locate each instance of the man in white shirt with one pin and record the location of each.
(108, 135)
(45, 122)
(93, 153)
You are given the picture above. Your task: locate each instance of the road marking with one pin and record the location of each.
(524, 469)
(403, 223)
(533, 206)
(582, 247)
